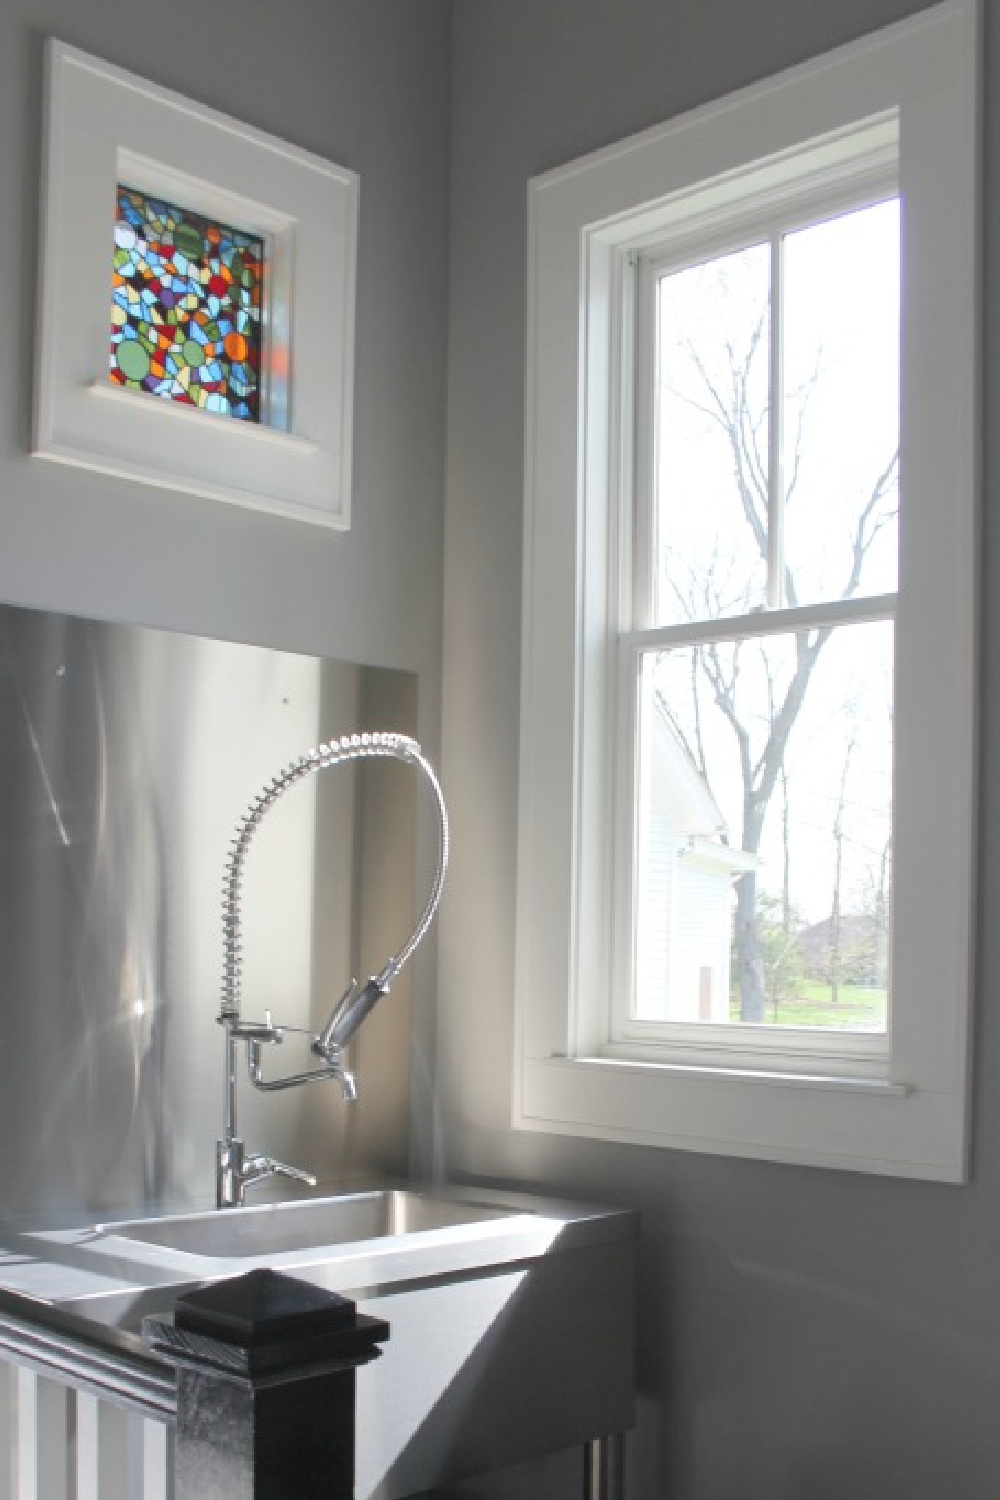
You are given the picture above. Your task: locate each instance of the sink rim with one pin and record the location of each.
(86, 1270)
(455, 1213)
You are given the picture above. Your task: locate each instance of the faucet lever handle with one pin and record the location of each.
(258, 1166)
(279, 1168)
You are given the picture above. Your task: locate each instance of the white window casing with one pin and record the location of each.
(105, 126)
(903, 104)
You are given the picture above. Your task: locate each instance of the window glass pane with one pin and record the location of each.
(711, 437)
(764, 870)
(840, 413)
(186, 307)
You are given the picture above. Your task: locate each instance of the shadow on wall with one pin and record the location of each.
(746, 1368)
(772, 1367)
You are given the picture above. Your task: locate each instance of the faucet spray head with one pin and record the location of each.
(349, 1013)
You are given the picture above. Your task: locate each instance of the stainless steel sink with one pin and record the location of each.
(274, 1229)
(512, 1318)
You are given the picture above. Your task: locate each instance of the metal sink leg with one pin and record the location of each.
(604, 1468)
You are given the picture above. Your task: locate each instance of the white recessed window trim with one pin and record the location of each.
(905, 1113)
(104, 126)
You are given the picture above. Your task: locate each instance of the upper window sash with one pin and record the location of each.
(863, 181)
(865, 176)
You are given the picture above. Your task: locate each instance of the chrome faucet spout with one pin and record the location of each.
(234, 1169)
(334, 1069)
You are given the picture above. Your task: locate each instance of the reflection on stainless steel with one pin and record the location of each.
(126, 756)
(234, 1169)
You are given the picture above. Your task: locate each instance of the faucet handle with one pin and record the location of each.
(237, 1169)
(259, 1166)
(295, 1173)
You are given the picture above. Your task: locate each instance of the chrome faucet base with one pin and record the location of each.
(229, 1184)
(235, 1171)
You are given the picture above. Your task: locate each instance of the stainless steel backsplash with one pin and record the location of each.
(126, 757)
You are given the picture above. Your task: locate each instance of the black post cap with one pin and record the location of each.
(263, 1307)
(265, 1323)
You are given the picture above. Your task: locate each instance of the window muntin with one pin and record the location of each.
(759, 888)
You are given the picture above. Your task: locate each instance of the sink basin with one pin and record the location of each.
(347, 1242)
(274, 1229)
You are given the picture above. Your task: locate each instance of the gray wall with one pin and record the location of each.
(365, 84)
(804, 1333)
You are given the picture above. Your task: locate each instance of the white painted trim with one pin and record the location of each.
(861, 610)
(103, 126)
(171, 411)
(85, 1447)
(584, 222)
(884, 1131)
(25, 1434)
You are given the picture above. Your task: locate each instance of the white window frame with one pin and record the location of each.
(105, 126)
(907, 1117)
(855, 169)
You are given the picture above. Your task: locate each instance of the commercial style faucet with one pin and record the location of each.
(235, 1168)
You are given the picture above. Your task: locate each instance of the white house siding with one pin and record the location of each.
(684, 929)
(699, 982)
(655, 980)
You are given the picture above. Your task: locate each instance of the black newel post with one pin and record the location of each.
(265, 1388)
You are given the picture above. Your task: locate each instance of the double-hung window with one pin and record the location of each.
(745, 844)
(758, 613)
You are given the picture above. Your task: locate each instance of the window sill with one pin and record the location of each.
(802, 1119)
(721, 1073)
(172, 411)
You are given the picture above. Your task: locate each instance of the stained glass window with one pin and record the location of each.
(186, 312)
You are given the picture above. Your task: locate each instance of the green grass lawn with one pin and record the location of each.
(857, 1008)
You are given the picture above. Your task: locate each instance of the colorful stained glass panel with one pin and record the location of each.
(186, 313)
